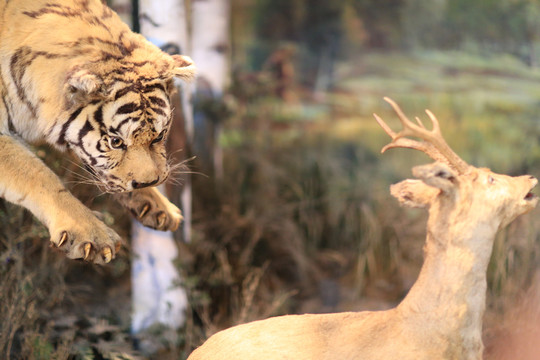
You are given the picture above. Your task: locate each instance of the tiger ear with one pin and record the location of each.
(184, 67)
(82, 86)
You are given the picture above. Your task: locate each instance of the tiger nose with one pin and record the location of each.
(139, 185)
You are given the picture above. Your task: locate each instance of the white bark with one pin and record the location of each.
(157, 297)
(165, 22)
(210, 41)
(210, 45)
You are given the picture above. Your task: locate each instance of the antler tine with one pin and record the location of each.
(435, 122)
(453, 159)
(410, 128)
(403, 142)
(433, 143)
(399, 139)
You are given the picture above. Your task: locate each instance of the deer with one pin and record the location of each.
(441, 315)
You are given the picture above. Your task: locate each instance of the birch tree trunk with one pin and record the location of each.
(156, 295)
(210, 51)
(164, 23)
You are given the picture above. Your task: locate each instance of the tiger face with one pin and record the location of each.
(119, 130)
(124, 147)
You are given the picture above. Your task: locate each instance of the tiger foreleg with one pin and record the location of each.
(27, 181)
(151, 208)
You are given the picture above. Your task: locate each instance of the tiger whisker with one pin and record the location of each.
(176, 152)
(87, 171)
(83, 168)
(82, 179)
(98, 195)
(181, 172)
(174, 181)
(89, 177)
(176, 172)
(173, 164)
(82, 182)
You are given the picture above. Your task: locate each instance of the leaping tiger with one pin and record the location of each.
(73, 75)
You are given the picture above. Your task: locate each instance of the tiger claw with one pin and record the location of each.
(161, 220)
(107, 254)
(62, 239)
(151, 209)
(144, 210)
(87, 249)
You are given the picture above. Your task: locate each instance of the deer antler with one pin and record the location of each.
(433, 145)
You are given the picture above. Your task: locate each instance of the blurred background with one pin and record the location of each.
(291, 205)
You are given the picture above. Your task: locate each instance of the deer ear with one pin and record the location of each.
(184, 67)
(438, 175)
(82, 86)
(434, 179)
(414, 193)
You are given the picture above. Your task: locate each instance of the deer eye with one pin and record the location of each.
(116, 143)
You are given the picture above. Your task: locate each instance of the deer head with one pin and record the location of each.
(450, 187)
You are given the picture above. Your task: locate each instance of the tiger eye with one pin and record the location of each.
(116, 142)
(159, 138)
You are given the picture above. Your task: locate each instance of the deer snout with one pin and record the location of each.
(530, 199)
(531, 180)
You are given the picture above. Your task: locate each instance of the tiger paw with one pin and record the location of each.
(151, 209)
(85, 237)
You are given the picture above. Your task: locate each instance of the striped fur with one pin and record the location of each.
(74, 76)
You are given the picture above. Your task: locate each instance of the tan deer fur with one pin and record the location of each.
(441, 317)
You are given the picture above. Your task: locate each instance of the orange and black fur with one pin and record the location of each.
(73, 75)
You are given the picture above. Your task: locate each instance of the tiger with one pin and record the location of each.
(75, 77)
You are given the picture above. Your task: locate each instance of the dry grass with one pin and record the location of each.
(49, 305)
(31, 284)
(515, 334)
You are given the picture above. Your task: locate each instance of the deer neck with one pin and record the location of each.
(450, 291)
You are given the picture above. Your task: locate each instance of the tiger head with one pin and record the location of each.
(118, 114)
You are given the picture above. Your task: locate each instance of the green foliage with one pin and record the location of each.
(382, 21)
(25, 290)
(41, 348)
